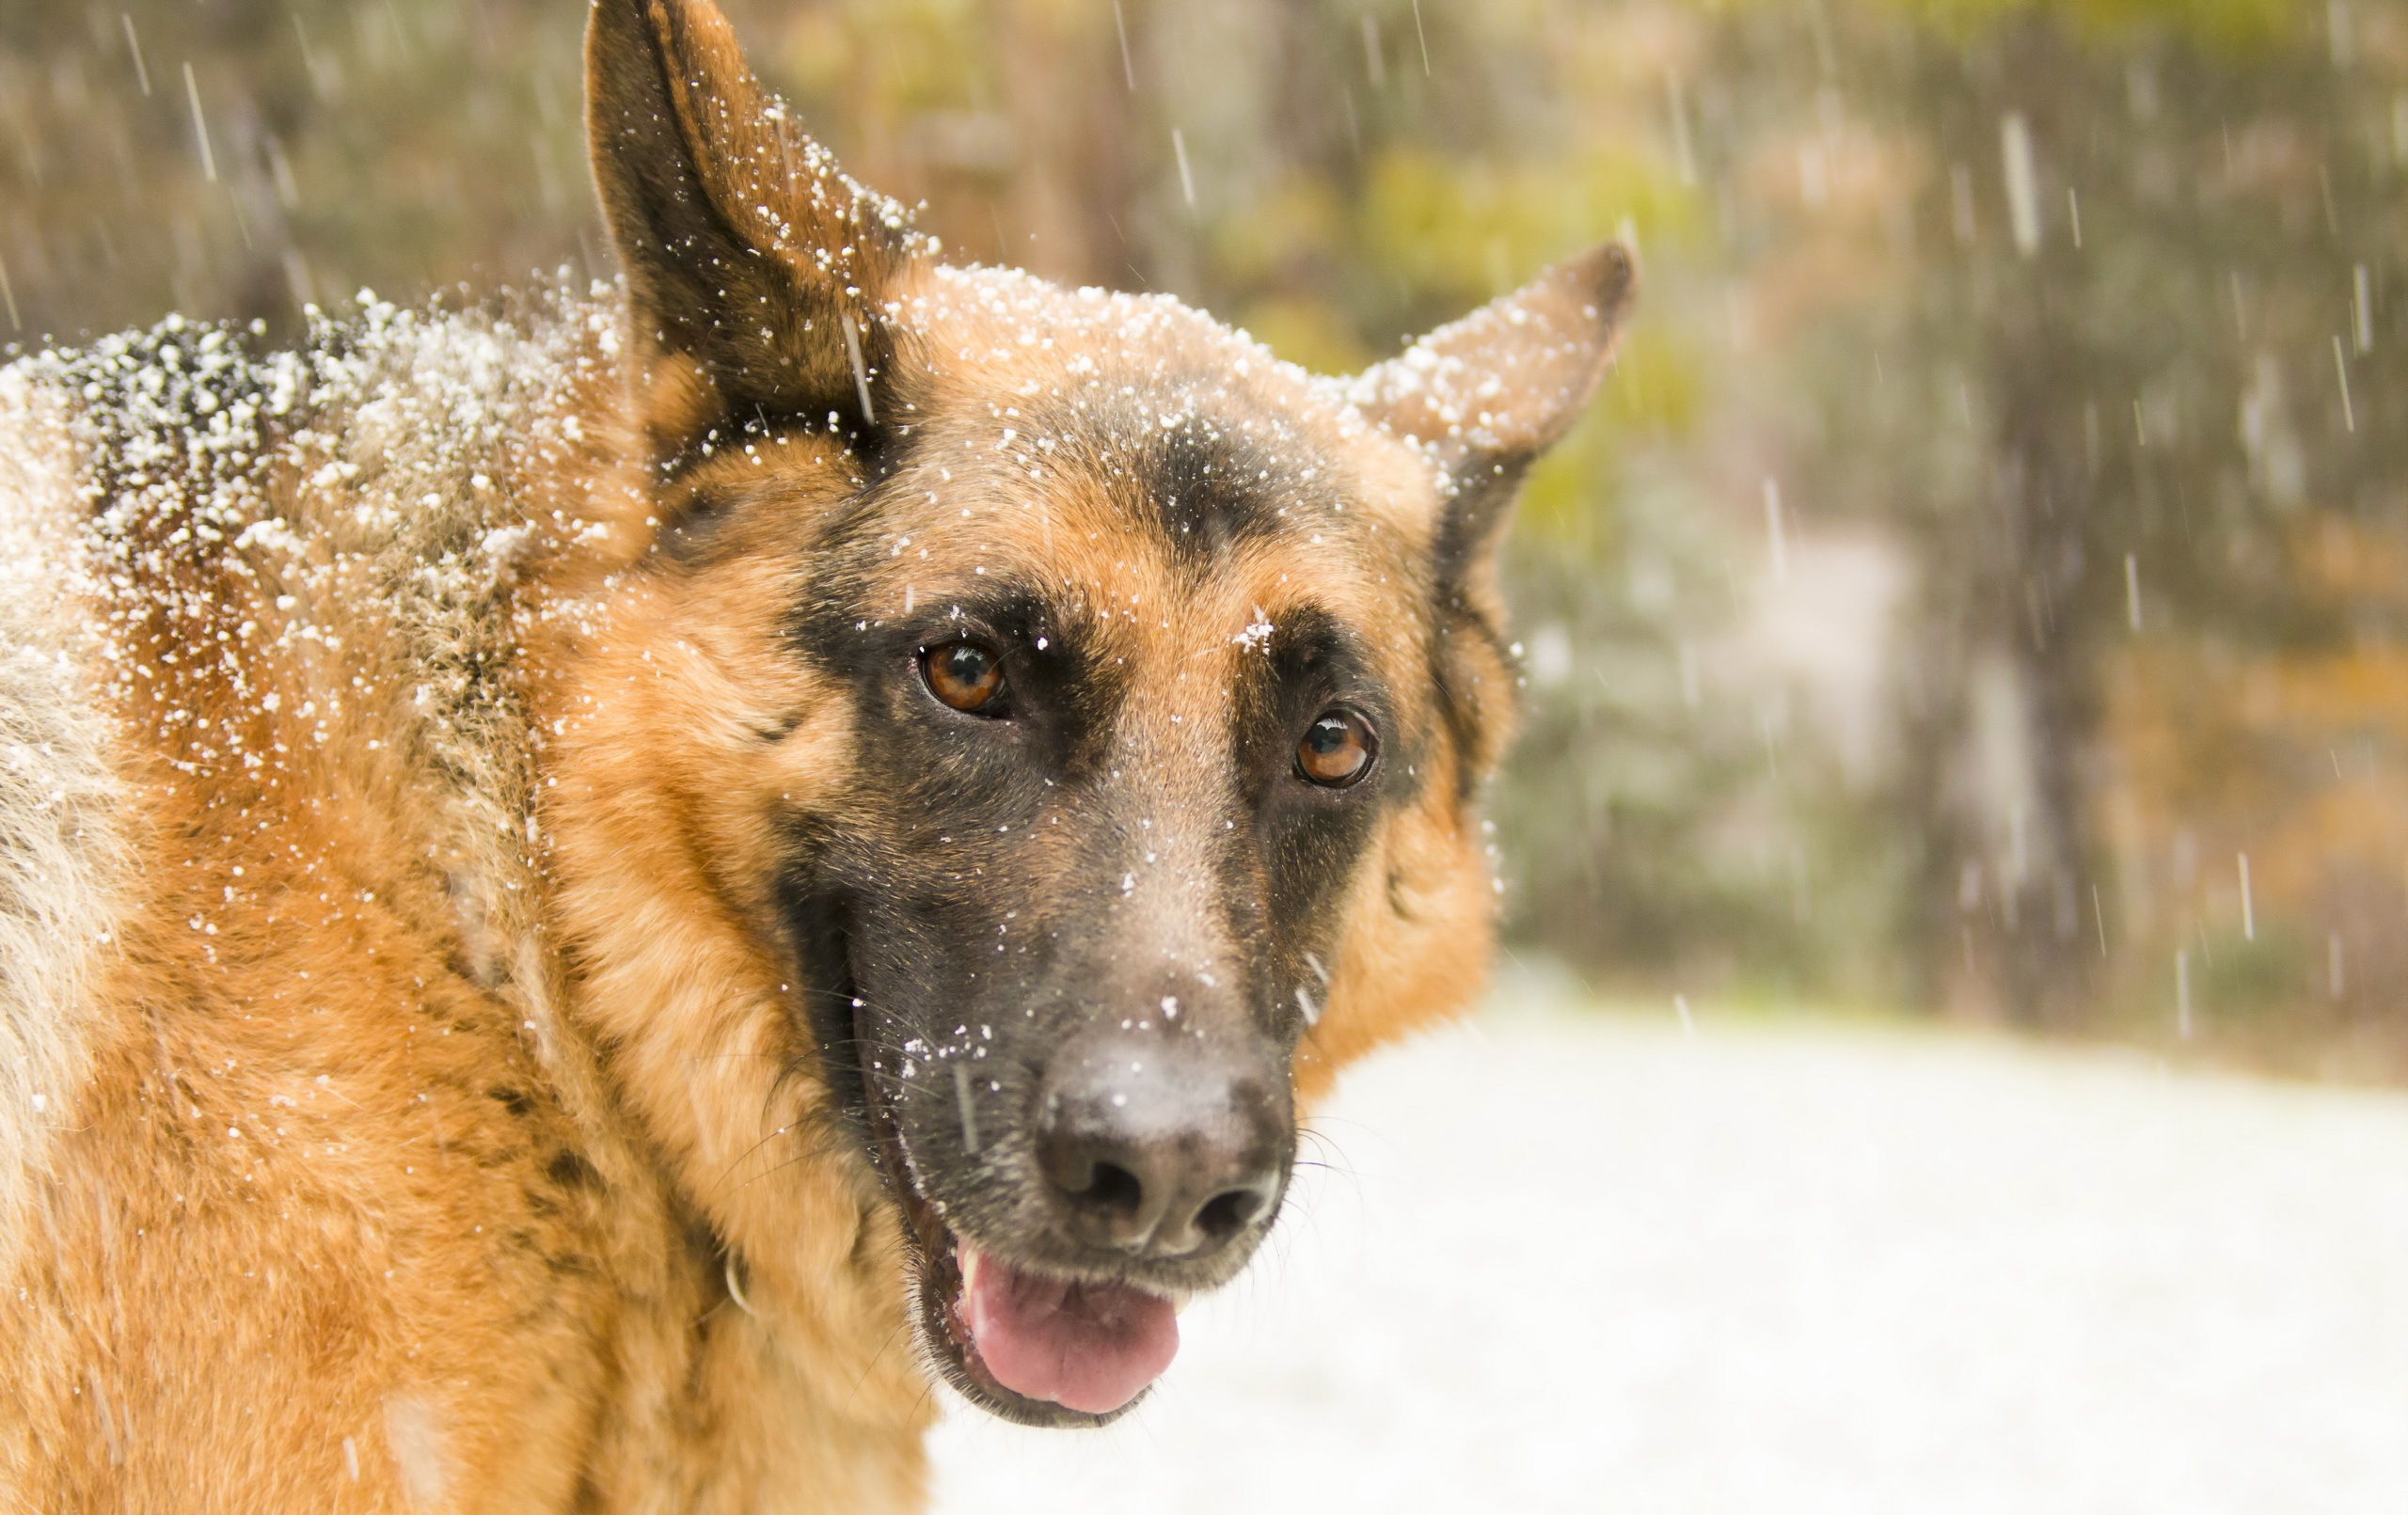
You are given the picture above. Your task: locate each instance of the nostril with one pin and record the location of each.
(1161, 1151)
(1114, 1190)
(1225, 1214)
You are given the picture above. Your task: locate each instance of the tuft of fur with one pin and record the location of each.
(62, 849)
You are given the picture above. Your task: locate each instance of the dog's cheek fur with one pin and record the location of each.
(1416, 931)
(691, 730)
(1416, 924)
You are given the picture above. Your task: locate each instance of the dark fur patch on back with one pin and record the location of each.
(179, 427)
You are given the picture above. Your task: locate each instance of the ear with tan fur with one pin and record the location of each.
(756, 269)
(1487, 394)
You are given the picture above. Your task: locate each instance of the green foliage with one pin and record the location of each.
(2241, 979)
(1464, 231)
(410, 147)
(2229, 25)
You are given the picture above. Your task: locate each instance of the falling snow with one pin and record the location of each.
(1564, 1263)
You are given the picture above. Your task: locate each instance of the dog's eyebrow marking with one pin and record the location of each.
(1212, 485)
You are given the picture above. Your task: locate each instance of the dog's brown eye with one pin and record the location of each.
(966, 677)
(1336, 749)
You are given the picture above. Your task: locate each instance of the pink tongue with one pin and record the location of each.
(1086, 1347)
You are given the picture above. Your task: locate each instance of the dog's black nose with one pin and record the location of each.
(1161, 1146)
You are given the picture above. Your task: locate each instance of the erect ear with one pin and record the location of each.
(758, 271)
(1485, 395)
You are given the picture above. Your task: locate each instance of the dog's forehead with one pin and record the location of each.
(1127, 382)
(1000, 328)
(1127, 446)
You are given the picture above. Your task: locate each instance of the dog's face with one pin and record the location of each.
(1075, 711)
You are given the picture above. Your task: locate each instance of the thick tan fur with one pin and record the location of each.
(399, 1091)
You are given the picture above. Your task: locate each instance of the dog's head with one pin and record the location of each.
(1038, 739)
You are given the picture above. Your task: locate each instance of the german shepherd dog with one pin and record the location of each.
(594, 892)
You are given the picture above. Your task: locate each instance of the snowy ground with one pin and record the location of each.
(1590, 1263)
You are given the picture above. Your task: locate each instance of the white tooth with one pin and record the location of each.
(971, 1261)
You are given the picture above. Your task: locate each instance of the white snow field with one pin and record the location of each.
(1588, 1262)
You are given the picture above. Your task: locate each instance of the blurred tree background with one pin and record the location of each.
(1981, 588)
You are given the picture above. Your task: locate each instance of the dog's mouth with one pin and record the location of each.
(1033, 1347)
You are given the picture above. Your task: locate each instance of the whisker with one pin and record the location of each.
(875, 1358)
